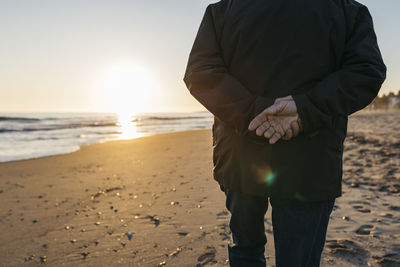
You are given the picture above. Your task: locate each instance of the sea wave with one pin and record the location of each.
(19, 119)
(58, 127)
(168, 118)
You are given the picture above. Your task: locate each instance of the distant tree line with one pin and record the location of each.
(388, 101)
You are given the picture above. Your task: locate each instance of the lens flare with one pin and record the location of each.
(270, 178)
(263, 174)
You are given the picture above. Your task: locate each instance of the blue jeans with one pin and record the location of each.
(299, 230)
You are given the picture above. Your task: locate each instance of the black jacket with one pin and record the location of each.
(249, 52)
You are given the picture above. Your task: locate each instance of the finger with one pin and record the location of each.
(277, 125)
(280, 129)
(274, 138)
(288, 134)
(263, 127)
(295, 128)
(269, 133)
(260, 130)
(257, 121)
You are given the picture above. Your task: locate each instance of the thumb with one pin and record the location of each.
(274, 109)
(286, 98)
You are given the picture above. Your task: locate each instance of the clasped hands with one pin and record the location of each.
(279, 121)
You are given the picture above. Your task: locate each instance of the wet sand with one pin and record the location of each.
(152, 201)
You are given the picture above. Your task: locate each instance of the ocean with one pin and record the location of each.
(34, 135)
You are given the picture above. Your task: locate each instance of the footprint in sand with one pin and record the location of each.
(347, 250)
(182, 233)
(208, 257)
(390, 259)
(222, 215)
(365, 229)
(360, 208)
(395, 208)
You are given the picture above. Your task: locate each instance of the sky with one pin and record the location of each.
(120, 55)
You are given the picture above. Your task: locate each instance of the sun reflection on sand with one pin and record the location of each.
(128, 127)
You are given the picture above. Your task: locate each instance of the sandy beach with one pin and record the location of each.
(152, 201)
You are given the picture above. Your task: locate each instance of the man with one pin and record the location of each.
(281, 77)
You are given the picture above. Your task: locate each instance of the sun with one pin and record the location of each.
(127, 88)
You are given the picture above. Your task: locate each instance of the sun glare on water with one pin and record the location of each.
(126, 90)
(128, 127)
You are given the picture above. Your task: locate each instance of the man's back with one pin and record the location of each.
(281, 47)
(247, 53)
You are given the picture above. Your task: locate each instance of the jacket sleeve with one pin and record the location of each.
(209, 81)
(353, 86)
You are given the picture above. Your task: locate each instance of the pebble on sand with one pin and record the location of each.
(129, 235)
(154, 219)
(175, 252)
(85, 254)
(43, 259)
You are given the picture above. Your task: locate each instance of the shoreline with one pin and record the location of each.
(358, 113)
(102, 142)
